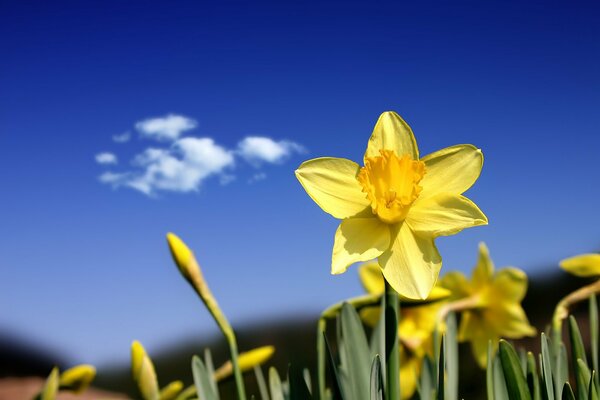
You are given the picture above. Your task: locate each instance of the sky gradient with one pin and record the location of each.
(84, 266)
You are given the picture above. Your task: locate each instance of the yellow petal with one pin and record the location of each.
(453, 170)
(371, 278)
(392, 133)
(246, 361)
(370, 315)
(509, 320)
(78, 378)
(182, 255)
(456, 282)
(412, 264)
(358, 239)
(483, 271)
(332, 184)
(509, 284)
(473, 329)
(444, 214)
(409, 372)
(582, 265)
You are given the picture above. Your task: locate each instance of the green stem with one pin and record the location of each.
(391, 343)
(321, 326)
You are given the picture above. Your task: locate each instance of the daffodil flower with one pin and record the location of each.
(394, 206)
(415, 329)
(490, 304)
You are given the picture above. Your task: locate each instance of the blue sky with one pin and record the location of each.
(84, 266)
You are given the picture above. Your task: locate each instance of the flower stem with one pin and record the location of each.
(391, 343)
(467, 303)
(562, 308)
(321, 325)
(198, 282)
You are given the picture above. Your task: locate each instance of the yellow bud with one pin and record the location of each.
(182, 255)
(78, 378)
(51, 386)
(583, 265)
(143, 373)
(171, 391)
(247, 361)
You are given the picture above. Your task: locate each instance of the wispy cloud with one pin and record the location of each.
(106, 158)
(167, 128)
(122, 138)
(258, 149)
(259, 176)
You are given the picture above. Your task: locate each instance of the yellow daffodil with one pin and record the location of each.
(78, 378)
(490, 303)
(583, 265)
(143, 372)
(415, 329)
(248, 360)
(394, 206)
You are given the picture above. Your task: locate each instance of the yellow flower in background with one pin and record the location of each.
(494, 304)
(395, 206)
(415, 329)
(583, 265)
(78, 378)
(142, 370)
(247, 360)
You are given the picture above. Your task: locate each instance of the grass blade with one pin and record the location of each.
(594, 336)
(441, 391)
(567, 392)
(546, 367)
(357, 352)
(275, 385)
(451, 358)
(533, 381)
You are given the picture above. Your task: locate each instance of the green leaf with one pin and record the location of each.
(376, 387)
(562, 366)
(392, 352)
(275, 385)
(592, 389)
(515, 380)
(427, 379)
(577, 348)
(582, 377)
(298, 389)
(441, 391)
(262, 384)
(210, 368)
(533, 381)
(357, 352)
(546, 366)
(489, 372)
(500, 390)
(567, 392)
(594, 336)
(377, 343)
(202, 380)
(333, 371)
(451, 358)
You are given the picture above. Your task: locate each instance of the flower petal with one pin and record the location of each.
(371, 278)
(509, 321)
(457, 284)
(453, 169)
(332, 184)
(444, 214)
(412, 264)
(392, 133)
(509, 283)
(473, 329)
(358, 239)
(483, 271)
(582, 265)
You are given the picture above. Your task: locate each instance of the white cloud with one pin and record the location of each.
(181, 168)
(122, 138)
(106, 158)
(166, 128)
(260, 176)
(256, 149)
